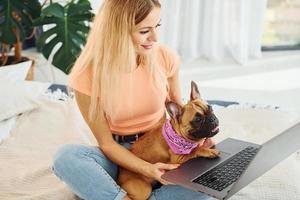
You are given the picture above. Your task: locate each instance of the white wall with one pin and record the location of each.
(96, 5)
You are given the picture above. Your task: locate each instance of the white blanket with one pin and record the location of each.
(6, 126)
(258, 126)
(26, 156)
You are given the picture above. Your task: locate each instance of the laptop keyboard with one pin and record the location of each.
(227, 172)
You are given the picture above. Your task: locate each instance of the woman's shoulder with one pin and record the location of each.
(166, 52)
(81, 80)
(169, 59)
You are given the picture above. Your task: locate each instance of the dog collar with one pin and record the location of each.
(178, 144)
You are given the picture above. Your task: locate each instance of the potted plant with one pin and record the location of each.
(69, 26)
(16, 24)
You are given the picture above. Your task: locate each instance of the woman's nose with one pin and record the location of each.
(153, 36)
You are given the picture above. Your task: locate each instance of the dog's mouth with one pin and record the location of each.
(198, 134)
(215, 131)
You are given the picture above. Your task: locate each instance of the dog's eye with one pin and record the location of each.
(198, 119)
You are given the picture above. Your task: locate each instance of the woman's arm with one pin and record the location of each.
(114, 151)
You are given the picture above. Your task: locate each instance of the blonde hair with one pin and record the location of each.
(110, 52)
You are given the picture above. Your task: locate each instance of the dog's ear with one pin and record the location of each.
(195, 94)
(174, 110)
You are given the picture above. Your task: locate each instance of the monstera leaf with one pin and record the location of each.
(68, 34)
(16, 18)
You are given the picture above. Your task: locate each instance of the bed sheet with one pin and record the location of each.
(26, 156)
(6, 127)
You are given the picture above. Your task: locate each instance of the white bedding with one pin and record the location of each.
(17, 97)
(259, 125)
(26, 156)
(6, 127)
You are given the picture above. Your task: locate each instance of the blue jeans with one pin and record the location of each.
(91, 176)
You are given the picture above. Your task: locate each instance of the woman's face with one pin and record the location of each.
(145, 34)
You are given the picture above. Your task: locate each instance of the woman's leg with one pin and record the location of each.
(175, 192)
(87, 172)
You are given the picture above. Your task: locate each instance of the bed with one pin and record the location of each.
(51, 118)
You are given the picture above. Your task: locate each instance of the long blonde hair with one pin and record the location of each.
(110, 51)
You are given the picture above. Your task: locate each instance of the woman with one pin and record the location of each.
(121, 80)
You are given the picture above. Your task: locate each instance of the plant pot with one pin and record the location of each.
(26, 67)
(30, 73)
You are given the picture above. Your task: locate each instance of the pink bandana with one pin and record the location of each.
(178, 144)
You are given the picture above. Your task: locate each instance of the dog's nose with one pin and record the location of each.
(212, 119)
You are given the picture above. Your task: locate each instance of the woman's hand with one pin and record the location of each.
(158, 169)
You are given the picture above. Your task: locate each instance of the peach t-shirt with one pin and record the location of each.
(147, 102)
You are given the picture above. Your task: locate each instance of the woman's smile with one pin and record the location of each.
(147, 46)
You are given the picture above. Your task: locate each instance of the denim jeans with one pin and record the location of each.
(91, 176)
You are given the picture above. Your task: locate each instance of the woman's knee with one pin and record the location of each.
(176, 192)
(65, 156)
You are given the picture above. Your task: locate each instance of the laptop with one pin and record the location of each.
(240, 163)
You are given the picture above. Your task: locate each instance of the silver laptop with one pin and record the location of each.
(239, 164)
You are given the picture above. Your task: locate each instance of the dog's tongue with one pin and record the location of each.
(215, 129)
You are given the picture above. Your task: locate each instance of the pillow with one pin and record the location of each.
(17, 72)
(19, 96)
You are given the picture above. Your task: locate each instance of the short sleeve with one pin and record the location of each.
(81, 81)
(169, 60)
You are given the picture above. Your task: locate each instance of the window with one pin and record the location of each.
(282, 25)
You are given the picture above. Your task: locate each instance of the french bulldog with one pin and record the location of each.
(175, 141)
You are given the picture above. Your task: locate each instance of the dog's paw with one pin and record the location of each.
(213, 153)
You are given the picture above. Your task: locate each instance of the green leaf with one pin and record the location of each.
(55, 10)
(44, 21)
(33, 8)
(80, 7)
(47, 49)
(82, 17)
(60, 61)
(41, 42)
(70, 31)
(27, 10)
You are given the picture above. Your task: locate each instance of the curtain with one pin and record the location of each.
(214, 29)
(96, 5)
